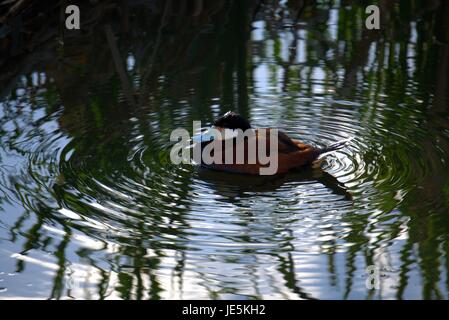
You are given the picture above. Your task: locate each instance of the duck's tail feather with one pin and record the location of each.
(335, 146)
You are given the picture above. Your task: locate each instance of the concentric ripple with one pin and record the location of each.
(234, 235)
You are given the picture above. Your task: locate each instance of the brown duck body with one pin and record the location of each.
(290, 153)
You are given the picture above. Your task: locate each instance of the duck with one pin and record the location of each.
(291, 153)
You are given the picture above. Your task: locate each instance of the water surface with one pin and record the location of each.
(92, 208)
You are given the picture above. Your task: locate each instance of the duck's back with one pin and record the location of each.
(290, 153)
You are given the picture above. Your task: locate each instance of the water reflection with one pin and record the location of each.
(91, 207)
(233, 186)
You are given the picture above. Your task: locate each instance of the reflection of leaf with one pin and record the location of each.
(125, 285)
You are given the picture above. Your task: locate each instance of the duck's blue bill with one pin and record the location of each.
(203, 137)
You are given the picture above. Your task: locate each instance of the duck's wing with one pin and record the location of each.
(286, 143)
(301, 145)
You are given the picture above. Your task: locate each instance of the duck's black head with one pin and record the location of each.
(232, 120)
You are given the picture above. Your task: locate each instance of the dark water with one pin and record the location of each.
(91, 206)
